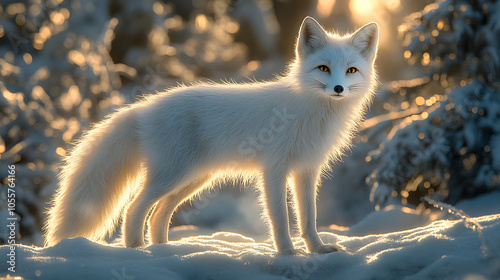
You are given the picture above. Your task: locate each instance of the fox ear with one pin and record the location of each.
(365, 40)
(311, 37)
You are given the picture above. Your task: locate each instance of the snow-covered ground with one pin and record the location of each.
(394, 243)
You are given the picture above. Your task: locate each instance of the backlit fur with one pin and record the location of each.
(283, 132)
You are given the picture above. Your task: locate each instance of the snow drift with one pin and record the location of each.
(443, 249)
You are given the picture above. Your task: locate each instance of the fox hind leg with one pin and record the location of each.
(155, 188)
(135, 217)
(162, 215)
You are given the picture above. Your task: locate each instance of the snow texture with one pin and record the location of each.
(442, 249)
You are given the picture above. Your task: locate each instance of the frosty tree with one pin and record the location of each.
(447, 144)
(57, 77)
(66, 64)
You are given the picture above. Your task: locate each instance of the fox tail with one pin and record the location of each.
(96, 180)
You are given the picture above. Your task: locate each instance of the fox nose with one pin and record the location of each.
(338, 89)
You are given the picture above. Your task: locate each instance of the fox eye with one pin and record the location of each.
(352, 70)
(324, 68)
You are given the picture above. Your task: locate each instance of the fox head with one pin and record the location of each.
(340, 67)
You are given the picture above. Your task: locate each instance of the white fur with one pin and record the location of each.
(187, 137)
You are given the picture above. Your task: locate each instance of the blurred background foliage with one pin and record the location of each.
(433, 129)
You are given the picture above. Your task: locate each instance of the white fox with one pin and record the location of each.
(284, 131)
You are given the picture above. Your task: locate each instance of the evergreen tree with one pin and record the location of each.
(446, 145)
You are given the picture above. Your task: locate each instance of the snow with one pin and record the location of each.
(393, 218)
(441, 249)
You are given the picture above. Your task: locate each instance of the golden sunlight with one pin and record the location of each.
(364, 9)
(60, 151)
(201, 23)
(325, 7)
(76, 57)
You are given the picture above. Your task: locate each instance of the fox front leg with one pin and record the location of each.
(305, 191)
(275, 203)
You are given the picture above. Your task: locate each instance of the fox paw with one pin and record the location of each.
(326, 248)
